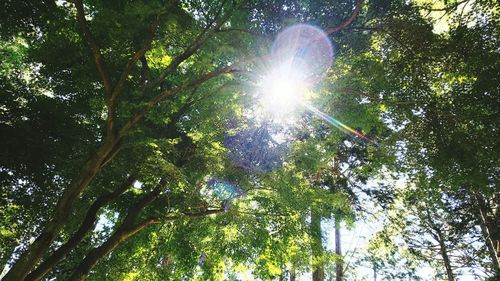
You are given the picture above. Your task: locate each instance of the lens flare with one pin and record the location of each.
(225, 191)
(201, 259)
(343, 127)
(305, 49)
(282, 91)
(300, 57)
(254, 149)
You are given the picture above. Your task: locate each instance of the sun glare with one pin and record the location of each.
(299, 58)
(282, 92)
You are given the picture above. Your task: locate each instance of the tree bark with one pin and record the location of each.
(436, 233)
(127, 229)
(87, 225)
(339, 270)
(108, 149)
(348, 21)
(104, 154)
(317, 247)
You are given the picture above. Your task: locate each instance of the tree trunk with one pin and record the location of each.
(339, 271)
(444, 254)
(317, 247)
(489, 230)
(62, 212)
(87, 225)
(293, 274)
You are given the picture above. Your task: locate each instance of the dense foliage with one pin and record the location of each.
(133, 147)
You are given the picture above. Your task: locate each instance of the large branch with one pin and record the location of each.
(170, 93)
(127, 229)
(27, 261)
(187, 53)
(124, 232)
(93, 257)
(113, 92)
(87, 225)
(211, 27)
(348, 21)
(153, 27)
(61, 214)
(94, 48)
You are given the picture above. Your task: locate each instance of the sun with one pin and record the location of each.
(282, 92)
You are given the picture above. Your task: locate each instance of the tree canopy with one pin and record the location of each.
(218, 140)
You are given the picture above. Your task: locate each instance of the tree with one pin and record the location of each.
(438, 100)
(127, 121)
(116, 125)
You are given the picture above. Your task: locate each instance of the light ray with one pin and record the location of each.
(343, 127)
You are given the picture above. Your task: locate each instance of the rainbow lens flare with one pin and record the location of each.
(343, 127)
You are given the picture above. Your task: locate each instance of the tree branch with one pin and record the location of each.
(153, 27)
(348, 21)
(94, 48)
(124, 232)
(194, 46)
(172, 92)
(87, 224)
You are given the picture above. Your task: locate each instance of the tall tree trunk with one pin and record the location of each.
(87, 225)
(489, 229)
(62, 212)
(339, 270)
(317, 247)
(436, 233)
(444, 255)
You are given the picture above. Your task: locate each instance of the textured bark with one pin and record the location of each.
(436, 233)
(29, 259)
(127, 229)
(104, 155)
(348, 21)
(317, 247)
(87, 225)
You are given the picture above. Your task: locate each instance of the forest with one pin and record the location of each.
(237, 140)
